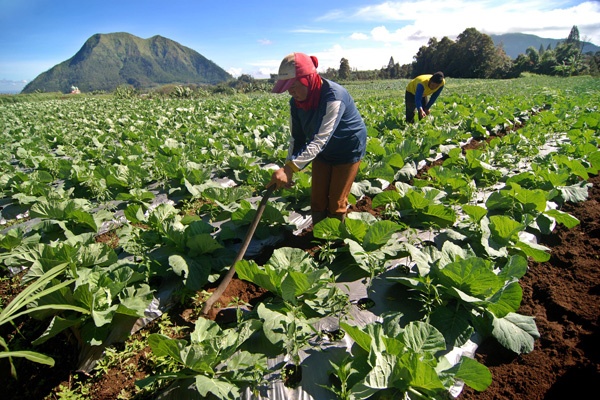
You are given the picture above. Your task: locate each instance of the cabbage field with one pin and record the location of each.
(119, 213)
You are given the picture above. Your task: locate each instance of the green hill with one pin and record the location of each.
(518, 43)
(108, 60)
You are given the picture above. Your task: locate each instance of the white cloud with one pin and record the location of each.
(359, 36)
(266, 72)
(399, 28)
(263, 69)
(8, 86)
(235, 72)
(403, 27)
(382, 34)
(13, 83)
(332, 15)
(391, 11)
(430, 18)
(265, 42)
(309, 30)
(363, 58)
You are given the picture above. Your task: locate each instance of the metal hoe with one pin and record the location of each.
(227, 278)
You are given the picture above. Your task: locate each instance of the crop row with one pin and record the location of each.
(173, 181)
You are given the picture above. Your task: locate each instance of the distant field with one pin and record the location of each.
(105, 200)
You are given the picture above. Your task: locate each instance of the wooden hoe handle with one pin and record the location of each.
(227, 278)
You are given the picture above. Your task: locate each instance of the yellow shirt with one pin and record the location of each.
(423, 80)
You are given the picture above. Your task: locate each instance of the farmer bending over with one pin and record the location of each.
(417, 91)
(326, 129)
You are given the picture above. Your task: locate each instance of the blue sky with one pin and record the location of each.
(252, 37)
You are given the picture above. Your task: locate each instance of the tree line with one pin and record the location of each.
(474, 55)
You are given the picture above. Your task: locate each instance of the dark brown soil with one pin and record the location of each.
(563, 295)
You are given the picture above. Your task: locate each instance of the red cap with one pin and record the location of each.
(293, 66)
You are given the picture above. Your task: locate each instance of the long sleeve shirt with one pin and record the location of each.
(420, 88)
(334, 131)
(420, 94)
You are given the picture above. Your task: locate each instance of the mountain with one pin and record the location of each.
(108, 60)
(517, 43)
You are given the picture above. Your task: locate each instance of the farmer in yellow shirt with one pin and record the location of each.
(417, 91)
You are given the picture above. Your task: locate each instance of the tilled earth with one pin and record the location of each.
(562, 294)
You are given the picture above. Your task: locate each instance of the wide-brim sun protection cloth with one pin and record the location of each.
(293, 66)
